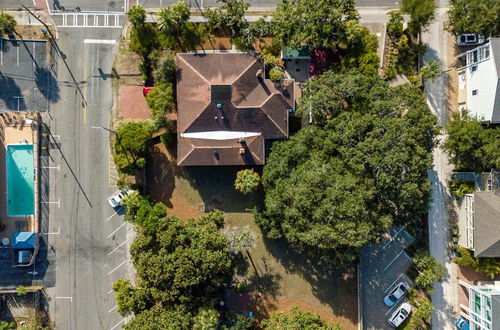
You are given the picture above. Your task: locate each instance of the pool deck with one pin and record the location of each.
(14, 129)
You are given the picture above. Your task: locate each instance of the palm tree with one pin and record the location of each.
(430, 70)
(136, 15)
(173, 21)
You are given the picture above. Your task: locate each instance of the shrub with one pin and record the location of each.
(4, 325)
(143, 39)
(486, 266)
(160, 100)
(131, 143)
(395, 24)
(7, 23)
(164, 69)
(276, 74)
(429, 269)
(136, 15)
(420, 316)
(167, 138)
(459, 188)
(22, 290)
(247, 181)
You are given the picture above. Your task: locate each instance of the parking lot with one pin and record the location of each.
(27, 81)
(382, 267)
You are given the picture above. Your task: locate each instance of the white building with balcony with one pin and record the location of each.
(479, 82)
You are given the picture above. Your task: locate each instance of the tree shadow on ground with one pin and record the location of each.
(335, 287)
(159, 175)
(215, 184)
(11, 94)
(46, 83)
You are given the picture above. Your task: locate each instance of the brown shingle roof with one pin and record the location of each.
(255, 105)
(204, 152)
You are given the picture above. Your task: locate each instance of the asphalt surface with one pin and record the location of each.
(89, 239)
(444, 298)
(16, 4)
(382, 266)
(28, 83)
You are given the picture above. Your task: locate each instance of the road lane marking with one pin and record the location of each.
(110, 291)
(117, 324)
(70, 298)
(112, 309)
(123, 224)
(117, 267)
(390, 309)
(119, 246)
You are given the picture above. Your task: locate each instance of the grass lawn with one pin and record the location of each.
(278, 277)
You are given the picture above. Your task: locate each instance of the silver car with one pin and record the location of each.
(400, 315)
(470, 39)
(395, 294)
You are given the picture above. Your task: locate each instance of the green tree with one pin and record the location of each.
(4, 325)
(316, 23)
(472, 145)
(247, 181)
(136, 15)
(339, 184)
(7, 23)
(143, 40)
(395, 24)
(421, 316)
(172, 318)
(478, 16)
(206, 319)
(131, 142)
(160, 101)
(297, 320)
(429, 269)
(173, 23)
(486, 266)
(240, 240)
(124, 296)
(22, 290)
(430, 71)
(164, 68)
(230, 14)
(422, 13)
(362, 52)
(276, 74)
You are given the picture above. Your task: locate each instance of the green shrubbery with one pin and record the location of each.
(7, 23)
(429, 270)
(486, 266)
(131, 143)
(297, 319)
(459, 188)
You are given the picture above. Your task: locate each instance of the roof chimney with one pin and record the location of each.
(259, 74)
(242, 151)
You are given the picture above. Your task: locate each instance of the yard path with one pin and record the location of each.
(444, 299)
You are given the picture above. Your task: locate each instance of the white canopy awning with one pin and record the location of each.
(219, 135)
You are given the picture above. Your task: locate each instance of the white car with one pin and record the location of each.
(400, 315)
(395, 294)
(116, 199)
(470, 39)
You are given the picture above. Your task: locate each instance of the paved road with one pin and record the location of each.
(16, 4)
(90, 249)
(444, 298)
(381, 267)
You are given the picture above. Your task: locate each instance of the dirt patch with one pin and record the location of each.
(126, 66)
(32, 32)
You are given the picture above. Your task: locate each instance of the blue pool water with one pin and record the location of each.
(20, 180)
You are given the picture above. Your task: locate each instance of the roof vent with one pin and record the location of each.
(242, 151)
(219, 105)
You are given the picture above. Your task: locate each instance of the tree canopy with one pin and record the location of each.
(486, 266)
(472, 145)
(247, 181)
(297, 320)
(7, 23)
(422, 13)
(316, 23)
(478, 16)
(136, 15)
(131, 142)
(337, 185)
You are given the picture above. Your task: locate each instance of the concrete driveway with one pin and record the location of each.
(382, 266)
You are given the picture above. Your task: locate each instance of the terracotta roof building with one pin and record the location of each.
(226, 109)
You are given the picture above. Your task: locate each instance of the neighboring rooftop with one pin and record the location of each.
(227, 92)
(486, 224)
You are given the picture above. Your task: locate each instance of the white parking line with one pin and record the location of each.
(70, 298)
(112, 215)
(112, 309)
(116, 267)
(116, 248)
(390, 309)
(117, 324)
(99, 41)
(123, 224)
(390, 286)
(392, 261)
(393, 237)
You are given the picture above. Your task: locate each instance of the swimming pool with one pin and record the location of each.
(20, 180)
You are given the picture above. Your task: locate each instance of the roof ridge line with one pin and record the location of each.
(194, 70)
(244, 71)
